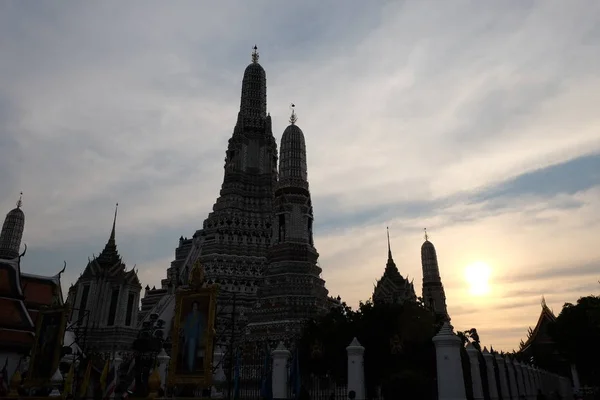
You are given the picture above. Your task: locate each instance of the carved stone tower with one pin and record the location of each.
(433, 290)
(106, 298)
(12, 232)
(292, 290)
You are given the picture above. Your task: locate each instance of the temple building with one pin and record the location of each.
(105, 300)
(393, 288)
(22, 295)
(293, 290)
(433, 290)
(233, 244)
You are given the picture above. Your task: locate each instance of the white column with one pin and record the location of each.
(512, 379)
(532, 386)
(163, 363)
(503, 384)
(519, 375)
(356, 370)
(280, 356)
(450, 380)
(575, 377)
(491, 374)
(475, 373)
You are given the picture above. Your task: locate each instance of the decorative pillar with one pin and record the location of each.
(450, 380)
(475, 373)
(491, 375)
(280, 355)
(163, 362)
(512, 379)
(503, 384)
(575, 377)
(356, 370)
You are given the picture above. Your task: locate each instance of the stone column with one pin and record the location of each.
(475, 372)
(163, 362)
(512, 379)
(450, 380)
(491, 374)
(356, 370)
(575, 377)
(280, 356)
(503, 384)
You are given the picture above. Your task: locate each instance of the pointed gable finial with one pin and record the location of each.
(388, 240)
(20, 201)
(112, 233)
(426, 235)
(293, 117)
(255, 54)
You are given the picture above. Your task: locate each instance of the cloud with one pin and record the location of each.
(476, 121)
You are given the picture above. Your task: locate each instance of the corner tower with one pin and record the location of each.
(292, 291)
(433, 290)
(12, 232)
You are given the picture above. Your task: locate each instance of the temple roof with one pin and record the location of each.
(108, 264)
(538, 334)
(392, 283)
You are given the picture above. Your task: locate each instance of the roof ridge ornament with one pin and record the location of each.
(255, 55)
(293, 117)
(20, 201)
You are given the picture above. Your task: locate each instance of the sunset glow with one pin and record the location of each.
(477, 276)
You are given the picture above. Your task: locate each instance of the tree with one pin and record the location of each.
(576, 332)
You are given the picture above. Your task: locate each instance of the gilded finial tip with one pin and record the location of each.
(293, 117)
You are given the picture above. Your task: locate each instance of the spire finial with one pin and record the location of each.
(20, 201)
(255, 54)
(293, 117)
(112, 233)
(426, 235)
(388, 240)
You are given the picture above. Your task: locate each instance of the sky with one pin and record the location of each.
(475, 120)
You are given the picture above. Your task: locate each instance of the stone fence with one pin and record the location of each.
(506, 378)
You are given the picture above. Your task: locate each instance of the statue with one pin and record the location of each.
(193, 334)
(196, 278)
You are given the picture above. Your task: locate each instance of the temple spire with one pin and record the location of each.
(255, 54)
(20, 201)
(426, 235)
(110, 256)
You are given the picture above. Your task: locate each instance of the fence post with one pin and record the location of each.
(450, 380)
(475, 372)
(280, 356)
(512, 379)
(356, 369)
(503, 384)
(491, 374)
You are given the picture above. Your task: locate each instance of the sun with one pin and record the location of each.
(478, 276)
